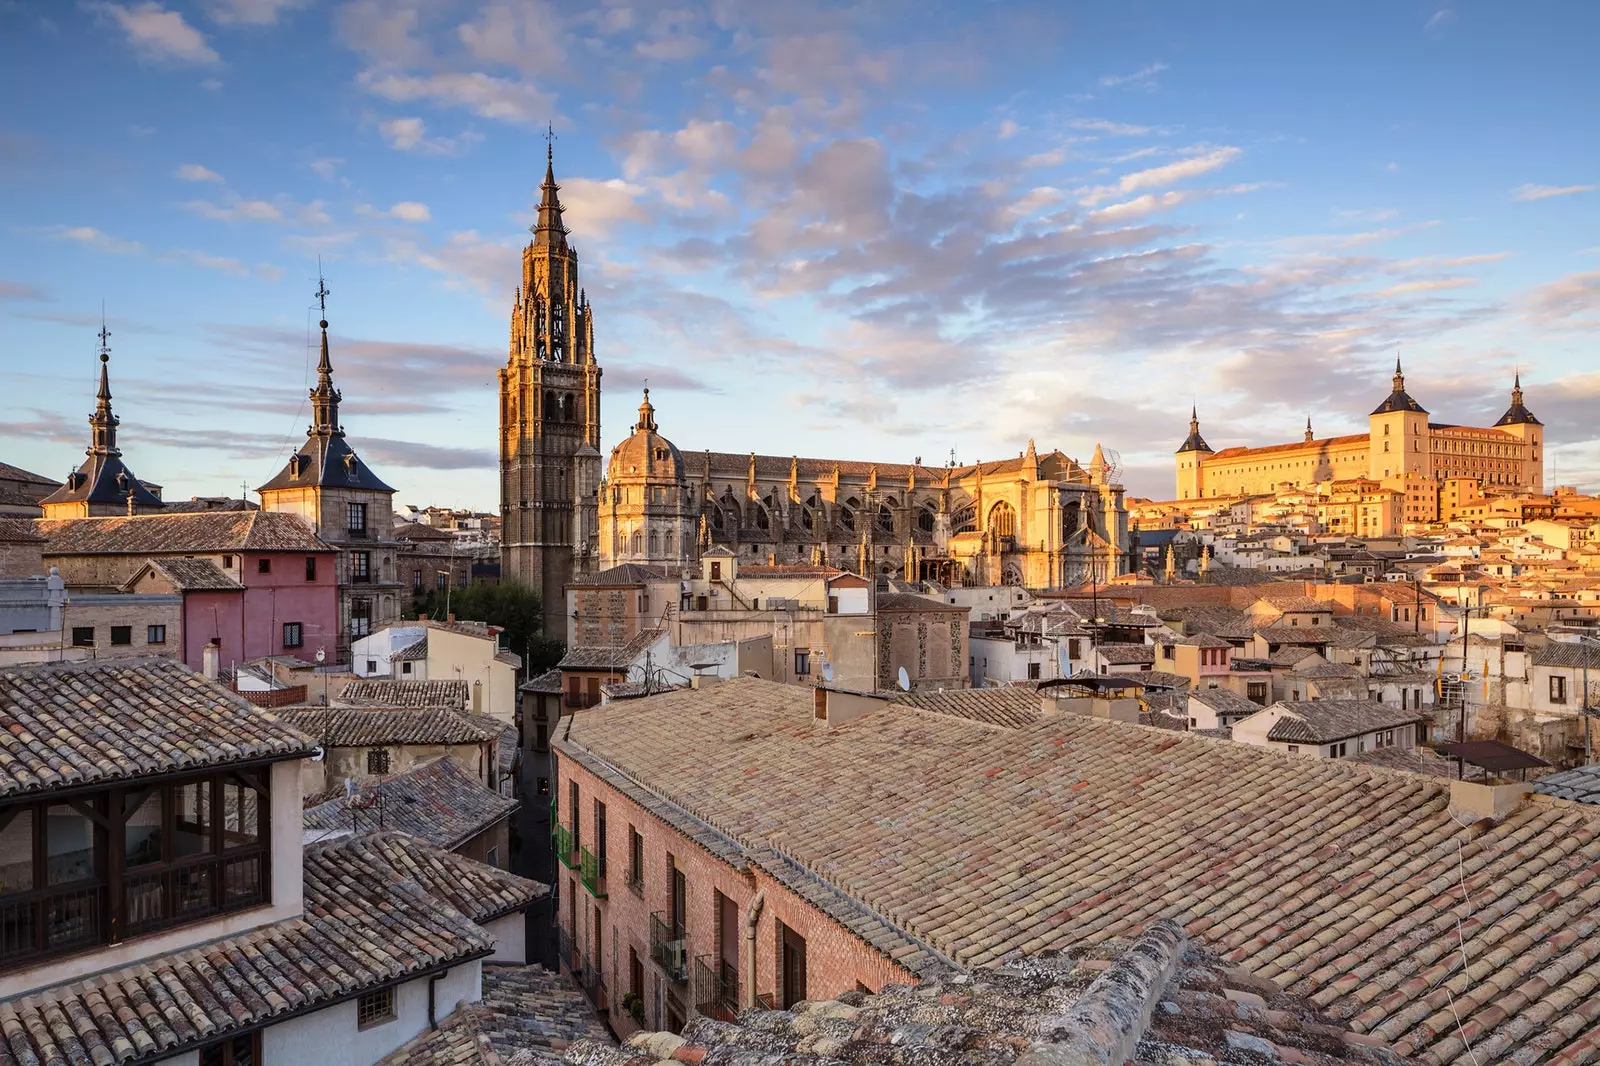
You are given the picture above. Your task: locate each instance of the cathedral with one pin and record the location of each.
(1036, 520)
(549, 418)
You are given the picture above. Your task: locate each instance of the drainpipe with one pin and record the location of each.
(433, 1016)
(752, 916)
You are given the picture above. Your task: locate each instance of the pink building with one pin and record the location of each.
(259, 583)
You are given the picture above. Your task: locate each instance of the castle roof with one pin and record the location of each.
(1517, 414)
(1399, 399)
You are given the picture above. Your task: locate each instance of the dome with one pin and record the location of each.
(644, 453)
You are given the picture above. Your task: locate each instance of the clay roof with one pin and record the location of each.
(1570, 654)
(1157, 1000)
(366, 727)
(1340, 882)
(416, 651)
(18, 531)
(381, 692)
(81, 723)
(1279, 449)
(549, 681)
(904, 601)
(176, 534)
(437, 801)
(1225, 701)
(1581, 784)
(327, 461)
(16, 473)
(1126, 654)
(1323, 721)
(478, 890)
(188, 575)
(528, 1016)
(417, 531)
(623, 574)
(368, 922)
(610, 656)
(1011, 706)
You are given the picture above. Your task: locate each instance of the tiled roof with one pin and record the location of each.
(416, 651)
(175, 534)
(189, 575)
(379, 692)
(622, 574)
(80, 723)
(1341, 882)
(366, 727)
(1322, 721)
(478, 890)
(1225, 701)
(1565, 654)
(549, 681)
(1126, 654)
(1311, 447)
(1419, 761)
(417, 531)
(528, 1016)
(1011, 706)
(1203, 640)
(1222, 621)
(366, 924)
(902, 601)
(18, 531)
(1156, 1001)
(1581, 784)
(437, 801)
(330, 461)
(609, 656)
(16, 473)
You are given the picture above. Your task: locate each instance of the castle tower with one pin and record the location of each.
(549, 419)
(1399, 435)
(103, 484)
(1521, 423)
(1191, 461)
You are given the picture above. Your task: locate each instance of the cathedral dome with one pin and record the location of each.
(645, 454)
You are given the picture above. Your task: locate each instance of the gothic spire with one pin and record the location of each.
(1399, 376)
(549, 231)
(103, 422)
(324, 398)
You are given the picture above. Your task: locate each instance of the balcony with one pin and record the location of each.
(592, 979)
(579, 700)
(566, 846)
(356, 533)
(51, 922)
(716, 988)
(668, 948)
(590, 873)
(567, 950)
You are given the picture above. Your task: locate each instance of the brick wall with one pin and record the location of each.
(836, 960)
(282, 697)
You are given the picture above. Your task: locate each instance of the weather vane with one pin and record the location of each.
(549, 142)
(322, 292)
(105, 334)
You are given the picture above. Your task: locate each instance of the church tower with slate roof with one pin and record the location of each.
(549, 419)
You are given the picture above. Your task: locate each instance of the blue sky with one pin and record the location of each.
(873, 230)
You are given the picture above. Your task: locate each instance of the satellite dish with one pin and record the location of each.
(827, 672)
(905, 680)
(322, 655)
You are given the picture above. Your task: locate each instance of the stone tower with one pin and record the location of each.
(1400, 444)
(549, 420)
(1191, 461)
(1521, 423)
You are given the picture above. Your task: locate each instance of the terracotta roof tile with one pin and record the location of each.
(79, 723)
(366, 727)
(1011, 706)
(175, 534)
(379, 692)
(527, 1016)
(438, 802)
(1321, 721)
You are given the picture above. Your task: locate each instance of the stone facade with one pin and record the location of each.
(549, 419)
(1036, 520)
(1402, 450)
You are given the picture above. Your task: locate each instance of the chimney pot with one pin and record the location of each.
(208, 660)
(820, 703)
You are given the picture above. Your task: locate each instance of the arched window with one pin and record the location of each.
(807, 519)
(885, 518)
(655, 544)
(716, 518)
(637, 542)
(1002, 520)
(964, 520)
(762, 521)
(925, 519)
(669, 543)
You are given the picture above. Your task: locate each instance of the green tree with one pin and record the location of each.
(513, 608)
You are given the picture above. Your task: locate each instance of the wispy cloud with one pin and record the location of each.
(160, 35)
(235, 208)
(1156, 177)
(20, 290)
(410, 134)
(1407, 288)
(1144, 77)
(1546, 192)
(95, 239)
(502, 99)
(221, 264)
(251, 12)
(1439, 20)
(410, 211)
(196, 172)
(1114, 129)
(1570, 301)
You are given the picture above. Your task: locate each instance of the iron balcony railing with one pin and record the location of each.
(594, 985)
(716, 988)
(669, 948)
(589, 873)
(567, 949)
(566, 849)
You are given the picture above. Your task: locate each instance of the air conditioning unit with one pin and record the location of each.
(675, 955)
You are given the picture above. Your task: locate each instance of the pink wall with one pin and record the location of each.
(250, 624)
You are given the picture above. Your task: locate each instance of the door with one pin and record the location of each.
(794, 968)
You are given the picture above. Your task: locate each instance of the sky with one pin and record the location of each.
(877, 230)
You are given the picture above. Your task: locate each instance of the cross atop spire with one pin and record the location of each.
(548, 230)
(103, 423)
(324, 398)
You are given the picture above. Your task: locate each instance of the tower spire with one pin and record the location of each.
(324, 398)
(1399, 375)
(549, 231)
(103, 439)
(1309, 436)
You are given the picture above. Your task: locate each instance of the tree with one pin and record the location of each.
(514, 608)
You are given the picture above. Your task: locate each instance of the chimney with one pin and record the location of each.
(701, 682)
(451, 619)
(208, 660)
(1473, 801)
(819, 703)
(477, 693)
(423, 617)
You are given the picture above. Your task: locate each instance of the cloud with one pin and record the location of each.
(250, 12)
(1155, 177)
(1524, 193)
(95, 238)
(595, 207)
(196, 172)
(1140, 206)
(1366, 214)
(1114, 129)
(631, 376)
(160, 35)
(20, 290)
(416, 455)
(1406, 288)
(325, 167)
(221, 264)
(235, 208)
(410, 211)
(1144, 77)
(1573, 300)
(1008, 129)
(1439, 20)
(502, 99)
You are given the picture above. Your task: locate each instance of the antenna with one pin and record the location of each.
(905, 680)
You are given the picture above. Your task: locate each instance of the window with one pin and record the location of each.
(227, 562)
(599, 841)
(405, 668)
(155, 634)
(121, 635)
(680, 893)
(635, 974)
(635, 861)
(377, 760)
(263, 566)
(1294, 749)
(1033, 671)
(1337, 751)
(802, 662)
(291, 635)
(243, 1050)
(311, 568)
(360, 617)
(356, 519)
(374, 1008)
(416, 581)
(792, 966)
(372, 666)
(1558, 688)
(833, 605)
(360, 566)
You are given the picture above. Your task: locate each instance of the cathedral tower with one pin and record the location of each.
(549, 419)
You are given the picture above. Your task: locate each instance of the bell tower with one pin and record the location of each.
(549, 418)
